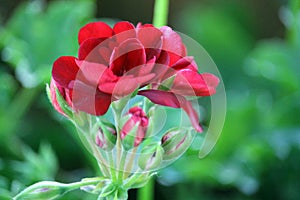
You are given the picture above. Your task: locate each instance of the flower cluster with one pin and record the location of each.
(116, 62)
(131, 72)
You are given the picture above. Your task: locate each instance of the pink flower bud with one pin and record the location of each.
(175, 143)
(106, 137)
(135, 127)
(56, 101)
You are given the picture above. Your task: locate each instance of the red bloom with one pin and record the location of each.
(114, 62)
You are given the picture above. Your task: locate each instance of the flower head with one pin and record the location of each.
(115, 62)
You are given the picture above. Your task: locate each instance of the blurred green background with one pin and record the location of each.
(256, 46)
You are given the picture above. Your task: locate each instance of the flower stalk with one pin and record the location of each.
(160, 15)
(293, 33)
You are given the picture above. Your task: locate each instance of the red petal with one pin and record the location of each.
(124, 85)
(127, 56)
(108, 81)
(102, 103)
(151, 39)
(191, 83)
(121, 88)
(90, 73)
(87, 49)
(185, 63)
(161, 97)
(145, 69)
(164, 58)
(89, 99)
(175, 101)
(94, 30)
(191, 112)
(123, 31)
(64, 71)
(172, 43)
(162, 72)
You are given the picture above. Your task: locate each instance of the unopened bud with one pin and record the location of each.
(175, 143)
(106, 136)
(134, 129)
(151, 157)
(43, 190)
(60, 99)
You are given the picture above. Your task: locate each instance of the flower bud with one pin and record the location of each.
(60, 99)
(175, 143)
(43, 190)
(134, 129)
(151, 157)
(106, 136)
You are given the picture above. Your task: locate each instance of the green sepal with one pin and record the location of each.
(151, 157)
(48, 92)
(156, 120)
(142, 180)
(166, 84)
(135, 92)
(95, 189)
(107, 190)
(177, 144)
(111, 138)
(63, 104)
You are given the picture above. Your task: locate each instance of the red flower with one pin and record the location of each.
(139, 120)
(114, 62)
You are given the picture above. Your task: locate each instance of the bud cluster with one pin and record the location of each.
(127, 151)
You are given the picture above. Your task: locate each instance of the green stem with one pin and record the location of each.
(120, 152)
(146, 193)
(129, 167)
(294, 30)
(160, 15)
(84, 182)
(112, 167)
(121, 167)
(133, 178)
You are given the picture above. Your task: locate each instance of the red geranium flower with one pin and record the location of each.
(114, 62)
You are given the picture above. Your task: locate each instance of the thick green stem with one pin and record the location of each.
(146, 193)
(160, 15)
(293, 33)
